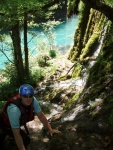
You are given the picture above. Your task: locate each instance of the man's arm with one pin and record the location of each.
(14, 118)
(18, 139)
(45, 122)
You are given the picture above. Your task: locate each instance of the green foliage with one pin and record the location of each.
(10, 74)
(110, 119)
(15, 16)
(108, 2)
(42, 60)
(11, 82)
(46, 46)
(50, 70)
(35, 76)
(52, 53)
(6, 90)
(48, 29)
(110, 98)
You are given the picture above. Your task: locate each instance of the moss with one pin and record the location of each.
(77, 71)
(90, 46)
(104, 64)
(72, 7)
(109, 35)
(75, 55)
(80, 31)
(69, 104)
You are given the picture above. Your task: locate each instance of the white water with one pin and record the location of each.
(96, 53)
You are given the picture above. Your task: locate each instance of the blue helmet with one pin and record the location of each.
(26, 89)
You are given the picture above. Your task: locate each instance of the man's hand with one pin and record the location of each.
(53, 131)
(45, 122)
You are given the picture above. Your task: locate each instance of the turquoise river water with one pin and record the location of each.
(64, 37)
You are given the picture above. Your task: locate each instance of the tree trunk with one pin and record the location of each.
(26, 47)
(79, 34)
(17, 52)
(72, 7)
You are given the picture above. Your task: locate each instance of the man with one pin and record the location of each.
(17, 113)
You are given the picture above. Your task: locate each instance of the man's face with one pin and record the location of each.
(27, 99)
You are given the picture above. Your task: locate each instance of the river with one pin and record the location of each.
(64, 35)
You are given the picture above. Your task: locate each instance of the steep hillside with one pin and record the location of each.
(83, 88)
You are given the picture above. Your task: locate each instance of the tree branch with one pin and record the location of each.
(101, 7)
(6, 56)
(51, 4)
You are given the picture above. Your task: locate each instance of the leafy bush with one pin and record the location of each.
(6, 90)
(11, 84)
(52, 53)
(42, 60)
(35, 76)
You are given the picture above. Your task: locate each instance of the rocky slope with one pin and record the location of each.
(84, 125)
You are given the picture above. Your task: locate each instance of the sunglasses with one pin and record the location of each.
(27, 96)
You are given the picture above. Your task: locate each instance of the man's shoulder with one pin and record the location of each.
(12, 108)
